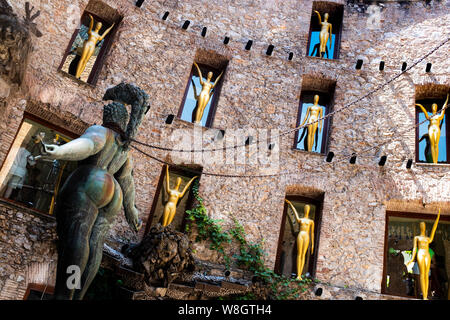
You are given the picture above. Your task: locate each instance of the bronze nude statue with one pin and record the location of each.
(93, 194)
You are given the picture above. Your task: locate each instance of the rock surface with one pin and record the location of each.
(163, 254)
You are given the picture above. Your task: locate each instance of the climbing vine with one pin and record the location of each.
(250, 255)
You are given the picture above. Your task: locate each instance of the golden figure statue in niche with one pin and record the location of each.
(325, 32)
(170, 208)
(434, 128)
(313, 113)
(89, 45)
(421, 247)
(303, 238)
(206, 93)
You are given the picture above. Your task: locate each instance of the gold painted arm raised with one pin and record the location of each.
(293, 209)
(91, 23)
(433, 231)
(423, 110)
(443, 109)
(106, 32)
(167, 179)
(217, 80)
(199, 73)
(318, 15)
(187, 186)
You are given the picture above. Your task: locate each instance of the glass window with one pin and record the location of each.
(73, 56)
(162, 197)
(189, 107)
(403, 280)
(423, 143)
(286, 263)
(320, 135)
(34, 184)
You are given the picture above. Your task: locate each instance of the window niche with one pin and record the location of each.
(195, 106)
(426, 96)
(286, 258)
(402, 280)
(104, 16)
(333, 14)
(161, 198)
(316, 101)
(39, 292)
(31, 183)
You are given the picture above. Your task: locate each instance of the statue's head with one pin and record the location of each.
(115, 116)
(178, 183)
(98, 26)
(126, 93)
(316, 99)
(325, 16)
(210, 75)
(306, 209)
(422, 227)
(434, 107)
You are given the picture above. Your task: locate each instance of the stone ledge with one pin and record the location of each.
(431, 165)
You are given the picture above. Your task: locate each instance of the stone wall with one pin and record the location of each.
(261, 91)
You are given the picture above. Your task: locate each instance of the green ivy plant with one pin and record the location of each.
(250, 255)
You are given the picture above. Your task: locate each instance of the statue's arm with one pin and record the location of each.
(125, 179)
(91, 142)
(331, 34)
(106, 33)
(91, 24)
(318, 15)
(443, 109)
(306, 116)
(320, 120)
(217, 80)
(423, 110)
(413, 257)
(293, 209)
(167, 179)
(312, 237)
(199, 73)
(187, 186)
(433, 231)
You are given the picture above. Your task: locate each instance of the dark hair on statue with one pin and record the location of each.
(129, 94)
(115, 116)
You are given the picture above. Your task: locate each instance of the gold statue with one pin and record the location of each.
(206, 93)
(324, 33)
(89, 45)
(314, 112)
(306, 225)
(423, 254)
(434, 129)
(174, 196)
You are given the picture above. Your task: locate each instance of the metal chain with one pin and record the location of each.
(305, 125)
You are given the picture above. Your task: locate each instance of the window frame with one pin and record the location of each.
(43, 288)
(327, 121)
(337, 43)
(402, 214)
(106, 47)
(216, 93)
(318, 203)
(447, 130)
(51, 126)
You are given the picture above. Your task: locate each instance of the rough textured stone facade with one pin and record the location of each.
(258, 91)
